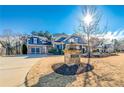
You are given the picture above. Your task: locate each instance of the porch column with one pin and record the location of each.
(45, 48)
(62, 46)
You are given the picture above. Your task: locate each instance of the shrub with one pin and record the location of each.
(95, 50)
(56, 51)
(53, 50)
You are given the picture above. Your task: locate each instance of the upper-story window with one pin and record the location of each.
(71, 40)
(35, 40)
(76, 40)
(43, 41)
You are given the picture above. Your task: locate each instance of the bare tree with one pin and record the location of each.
(119, 45)
(7, 35)
(10, 41)
(116, 44)
(90, 25)
(95, 42)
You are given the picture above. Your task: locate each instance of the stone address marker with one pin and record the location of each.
(72, 54)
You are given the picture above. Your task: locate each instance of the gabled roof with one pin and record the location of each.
(65, 39)
(60, 38)
(40, 37)
(81, 41)
(40, 40)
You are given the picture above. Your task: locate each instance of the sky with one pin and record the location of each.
(55, 18)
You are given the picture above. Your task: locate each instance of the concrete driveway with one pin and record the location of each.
(14, 69)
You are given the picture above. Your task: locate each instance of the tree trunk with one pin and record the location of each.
(89, 53)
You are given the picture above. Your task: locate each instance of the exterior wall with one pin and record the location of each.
(61, 43)
(43, 49)
(109, 49)
(62, 46)
(37, 45)
(58, 45)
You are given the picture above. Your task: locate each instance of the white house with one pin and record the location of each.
(106, 46)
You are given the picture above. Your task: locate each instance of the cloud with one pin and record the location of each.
(118, 34)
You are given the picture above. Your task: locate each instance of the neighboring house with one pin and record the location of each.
(37, 45)
(61, 42)
(58, 42)
(107, 47)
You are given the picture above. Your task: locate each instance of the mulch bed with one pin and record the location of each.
(65, 69)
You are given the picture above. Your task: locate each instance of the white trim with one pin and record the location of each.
(61, 37)
(42, 50)
(36, 45)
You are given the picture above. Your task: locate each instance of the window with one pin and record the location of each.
(33, 50)
(37, 50)
(71, 40)
(43, 41)
(76, 40)
(35, 40)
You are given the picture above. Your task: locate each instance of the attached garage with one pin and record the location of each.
(37, 49)
(37, 45)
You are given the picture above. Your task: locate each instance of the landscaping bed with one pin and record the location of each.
(107, 72)
(99, 55)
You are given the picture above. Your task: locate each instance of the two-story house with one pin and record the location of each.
(107, 47)
(37, 45)
(62, 41)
